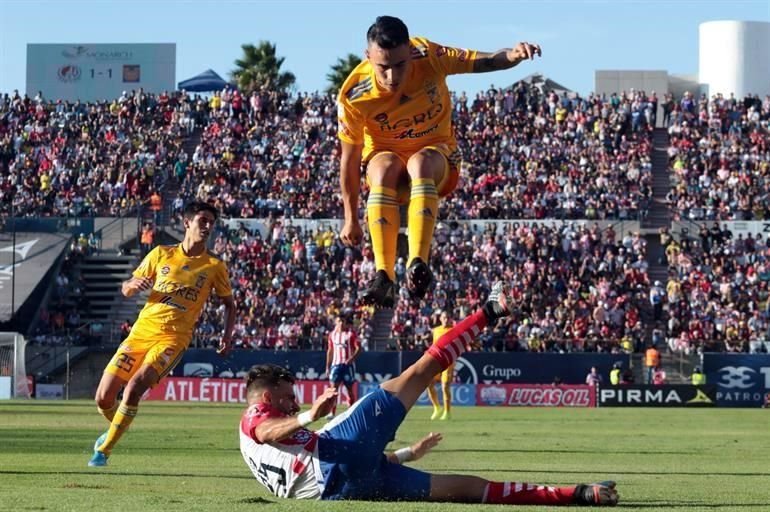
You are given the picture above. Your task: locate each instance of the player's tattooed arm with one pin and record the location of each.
(505, 58)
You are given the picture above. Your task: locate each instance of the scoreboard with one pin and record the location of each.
(93, 72)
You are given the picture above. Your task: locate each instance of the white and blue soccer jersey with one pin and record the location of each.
(344, 460)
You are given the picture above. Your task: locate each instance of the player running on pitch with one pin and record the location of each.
(181, 278)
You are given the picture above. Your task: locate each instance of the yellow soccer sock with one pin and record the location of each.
(423, 210)
(108, 414)
(384, 222)
(447, 391)
(118, 427)
(433, 396)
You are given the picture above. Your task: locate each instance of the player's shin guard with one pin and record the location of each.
(118, 427)
(516, 493)
(423, 211)
(448, 347)
(384, 222)
(108, 414)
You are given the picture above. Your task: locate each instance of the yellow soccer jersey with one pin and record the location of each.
(182, 284)
(440, 331)
(419, 115)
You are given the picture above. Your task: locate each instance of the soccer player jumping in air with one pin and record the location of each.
(345, 459)
(395, 117)
(181, 278)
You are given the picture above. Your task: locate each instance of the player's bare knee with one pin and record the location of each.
(140, 383)
(426, 164)
(103, 401)
(133, 392)
(384, 170)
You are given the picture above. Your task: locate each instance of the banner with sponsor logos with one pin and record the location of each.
(228, 390)
(305, 365)
(742, 380)
(641, 395)
(536, 395)
(471, 367)
(462, 394)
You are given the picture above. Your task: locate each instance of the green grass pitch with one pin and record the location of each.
(184, 456)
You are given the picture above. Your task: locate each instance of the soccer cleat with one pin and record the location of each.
(498, 304)
(446, 416)
(601, 494)
(418, 278)
(436, 414)
(98, 459)
(100, 441)
(380, 291)
(330, 416)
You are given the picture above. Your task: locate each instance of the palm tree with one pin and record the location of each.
(340, 72)
(260, 66)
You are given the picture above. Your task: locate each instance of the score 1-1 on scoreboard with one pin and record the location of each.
(95, 72)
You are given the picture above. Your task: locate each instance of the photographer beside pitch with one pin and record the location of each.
(345, 459)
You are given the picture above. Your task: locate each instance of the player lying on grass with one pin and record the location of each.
(346, 459)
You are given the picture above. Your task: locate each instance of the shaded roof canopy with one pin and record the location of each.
(544, 84)
(209, 80)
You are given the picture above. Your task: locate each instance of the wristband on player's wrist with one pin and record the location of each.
(305, 418)
(404, 454)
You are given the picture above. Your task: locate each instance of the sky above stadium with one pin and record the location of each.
(577, 36)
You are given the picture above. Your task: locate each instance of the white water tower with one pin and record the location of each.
(734, 57)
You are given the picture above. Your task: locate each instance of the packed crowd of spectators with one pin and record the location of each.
(717, 292)
(527, 155)
(289, 285)
(61, 158)
(719, 157)
(576, 288)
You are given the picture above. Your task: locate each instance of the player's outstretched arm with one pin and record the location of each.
(505, 58)
(276, 429)
(417, 451)
(135, 285)
(350, 185)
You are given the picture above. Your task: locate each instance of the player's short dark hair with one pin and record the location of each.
(193, 208)
(264, 376)
(388, 32)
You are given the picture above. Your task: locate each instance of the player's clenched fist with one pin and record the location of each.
(351, 233)
(524, 51)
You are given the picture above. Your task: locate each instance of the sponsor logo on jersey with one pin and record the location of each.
(168, 301)
(413, 121)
